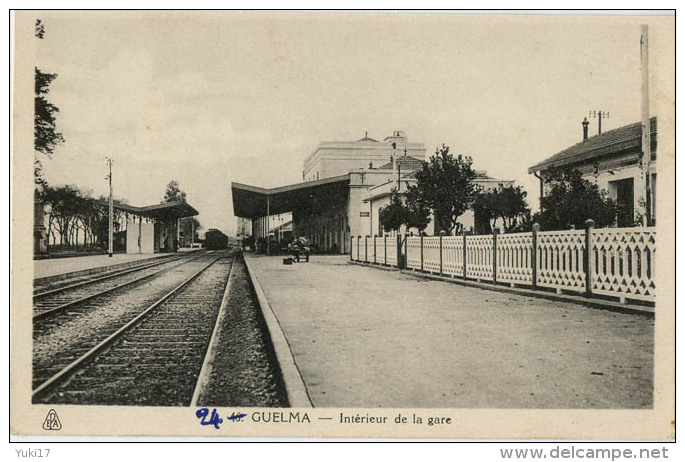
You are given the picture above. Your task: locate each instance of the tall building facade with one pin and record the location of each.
(334, 158)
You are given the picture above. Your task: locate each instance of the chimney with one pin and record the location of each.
(585, 124)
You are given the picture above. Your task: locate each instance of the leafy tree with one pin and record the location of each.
(74, 217)
(395, 214)
(570, 200)
(445, 184)
(485, 212)
(95, 217)
(174, 193)
(46, 136)
(418, 213)
(410, 214)
(507, 203)
(65, 203)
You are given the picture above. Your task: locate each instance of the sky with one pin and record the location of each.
(210, 98)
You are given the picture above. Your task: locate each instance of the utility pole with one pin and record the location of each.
(178, 230)
(111, 210)
(646, 126)
(268, 243)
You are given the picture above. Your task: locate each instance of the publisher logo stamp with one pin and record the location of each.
(52, 421)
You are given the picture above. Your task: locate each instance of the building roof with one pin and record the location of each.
(165, 210)
(405, 163)
(254, 202)
(621, 139)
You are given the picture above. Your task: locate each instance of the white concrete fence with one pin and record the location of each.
(621, 260)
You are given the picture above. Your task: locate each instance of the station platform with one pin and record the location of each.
(59, 269)
(363, 337)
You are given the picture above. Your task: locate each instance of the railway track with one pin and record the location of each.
(62, 285)
(51, 302)
(143, 356)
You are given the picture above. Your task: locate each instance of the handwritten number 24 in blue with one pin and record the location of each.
(214, 419)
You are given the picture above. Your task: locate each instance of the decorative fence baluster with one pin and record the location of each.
(479, 257)
(550, 246)
(632, 252)
(514, 260)
(413, 252)
(617, 262)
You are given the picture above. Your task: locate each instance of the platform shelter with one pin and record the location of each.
(152, 228)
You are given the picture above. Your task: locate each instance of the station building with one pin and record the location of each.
(614, 161)
(346, 184)
(334, 158)
(330, 205)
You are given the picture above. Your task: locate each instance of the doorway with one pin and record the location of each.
(625, 203)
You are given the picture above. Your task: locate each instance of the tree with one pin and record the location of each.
(393, 215)
(398, 213)
(418, 213)
(46, 136)
(174, 193)
(65, 203)
(570, 200)
(507, 203)
(445, 184)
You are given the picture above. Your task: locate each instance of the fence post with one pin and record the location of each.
(589, 254)
(351, 245)
(398, 249)
(385, 249)
(495, 232)
(405, 252)
(534, 255)
(442, 233)
(421, 251)
(374, 248)
(366, 248)
(464, 252)
(359, 258)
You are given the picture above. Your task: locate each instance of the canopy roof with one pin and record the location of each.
(164, 211)
(254, 202)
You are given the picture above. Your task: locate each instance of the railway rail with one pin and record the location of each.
(68, 284)
(54, 301)
(161, 348)
(192, 335)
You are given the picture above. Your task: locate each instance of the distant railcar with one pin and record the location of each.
(215, 240)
